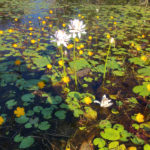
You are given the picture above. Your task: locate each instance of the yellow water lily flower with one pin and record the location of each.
(39, 18)
(80, 52)
(70, 46)
(144, 58)
(81, 46)
(97, 17)
(43, 22)
(30, 29)
(41, 84)
(78, 48)
(1, 32)
(17, 62)
(108, 36)
(132, 44)
(33, 41)
(30, 33)
(90, 53)
(115, 23)
(79, 15)
(60, 62)
(47, 17)
(87, 100)
(139, 117)
(10, 30)
(132, 148)
(49, 66)
(138, 48)
(90, 37)
(148, 87)
(66, 79)
(15, 45)
(143, 36)
(16, 19)
(111, 17)
(51, 12)
(76, 39)
(19, 112)
(50, 25)
(64, 25)
(1, 120)
(82, 17)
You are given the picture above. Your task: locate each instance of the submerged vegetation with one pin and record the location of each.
(77, 80)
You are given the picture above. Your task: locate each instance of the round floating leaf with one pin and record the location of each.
(37, 109)
(60, 114)
(18, 138)
(22, 119)
(110, 134)
(44, 125)
(47, 113)
(11, 103)
(26, 142)
(30, 113)
(28, 125)
(137, 141)
(104, 124)
(99, 142)
(118, 127)
(28, 97)
(146, 147)
(113, 145)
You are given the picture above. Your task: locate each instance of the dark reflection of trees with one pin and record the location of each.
(12, 8)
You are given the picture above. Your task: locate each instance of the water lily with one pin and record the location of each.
(1, 120)
(105, 102)
(77, 28)
(61, 37)
(112, 40)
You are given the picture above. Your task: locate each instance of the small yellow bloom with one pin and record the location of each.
(70, 46)
(76, 39)
(78, 48)
(51, 12)
(39, 18)
(17, 62)
(64, 25)
(138, 48)
(80, 52)
(49, 66)
(139, 117)
(79, 15)
(43, 22)
(90, 53)
(108, 36)
(148, 87)
(47, 17)
(41, 84)
(111, 17)
(10, 30)
(132, 148)
(50, 25)
(39, 40)
(1, 120)
(30, 29)
(16, 19)
(42, 29)
(19, 112)
(138, 37)
(90, 37)
(66, 79)
(61, 63)
(1, 32)
(15, 45)
(81, 46)
(97, 17)
(30, 33)
(144, 58)
(33, 41)
(115, 23)
(82, 17)
(132, 44)
(30, 21)
(87, 100)
(143, 36)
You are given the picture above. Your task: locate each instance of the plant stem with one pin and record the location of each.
(105, 69)
(74, 58)
(64, 68)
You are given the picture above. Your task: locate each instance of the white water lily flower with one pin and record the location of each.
(97, 10)
(77, 27)
(112, 40)
(61, 37)
(105, 102)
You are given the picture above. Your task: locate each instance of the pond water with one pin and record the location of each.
(74, 76)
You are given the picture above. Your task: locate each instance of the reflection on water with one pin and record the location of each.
(24, 11)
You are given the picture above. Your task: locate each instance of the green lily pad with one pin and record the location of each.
(44, 125)
(61, 114)
(22, 119)
(11, 103)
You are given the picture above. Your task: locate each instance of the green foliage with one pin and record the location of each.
(99, 142)
(11, 103)
(146, 147)
(44, 125)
